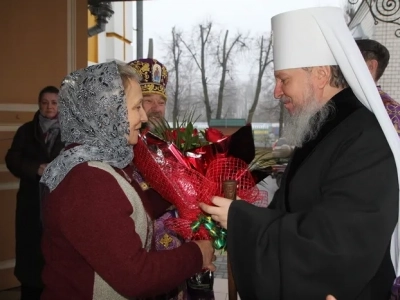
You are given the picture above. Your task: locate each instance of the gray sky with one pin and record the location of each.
(245, 15)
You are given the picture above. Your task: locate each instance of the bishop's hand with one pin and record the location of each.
(219, 212)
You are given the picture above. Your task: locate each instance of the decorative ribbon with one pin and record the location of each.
(217, 233)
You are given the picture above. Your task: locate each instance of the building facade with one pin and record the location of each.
(115, 43)
(42, 42)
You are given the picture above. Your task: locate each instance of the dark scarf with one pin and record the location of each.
(50, 129)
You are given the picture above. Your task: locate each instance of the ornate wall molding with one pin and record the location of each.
(383, 11)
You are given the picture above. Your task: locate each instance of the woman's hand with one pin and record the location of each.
(219, 212)
(207, 250)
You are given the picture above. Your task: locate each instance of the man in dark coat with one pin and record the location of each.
(377, 58)
(328, 229)
(35, 144)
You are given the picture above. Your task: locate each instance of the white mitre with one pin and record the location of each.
(320, 37)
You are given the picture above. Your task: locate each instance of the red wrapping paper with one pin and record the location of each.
(187, 180)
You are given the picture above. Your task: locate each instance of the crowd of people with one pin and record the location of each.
(89, 227)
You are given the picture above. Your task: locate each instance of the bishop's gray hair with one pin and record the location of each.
(337, 78)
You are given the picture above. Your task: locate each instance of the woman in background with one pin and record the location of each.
(35, 144)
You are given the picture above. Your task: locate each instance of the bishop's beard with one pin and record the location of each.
(155, 119)
(306, 122)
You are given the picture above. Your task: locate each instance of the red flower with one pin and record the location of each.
(170, 135)
(213, 135)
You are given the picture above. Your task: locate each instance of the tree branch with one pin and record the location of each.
(191, 52)
(209, 26)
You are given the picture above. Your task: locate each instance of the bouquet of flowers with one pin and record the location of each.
(188, 166)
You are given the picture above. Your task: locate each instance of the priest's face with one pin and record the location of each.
(297, 90)
(154, 105)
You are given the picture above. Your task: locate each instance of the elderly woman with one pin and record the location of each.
(35, 144)
(97, 239)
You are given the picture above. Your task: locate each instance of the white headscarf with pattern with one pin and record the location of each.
(92, 114)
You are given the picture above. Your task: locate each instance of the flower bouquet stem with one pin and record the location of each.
(229, 187)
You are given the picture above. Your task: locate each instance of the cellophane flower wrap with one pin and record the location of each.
(187, 176)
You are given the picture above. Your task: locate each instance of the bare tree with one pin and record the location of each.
(223, 57)
(204, 35)
(182, 89)
(264, 59)
(234, 92)
(176, 52)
